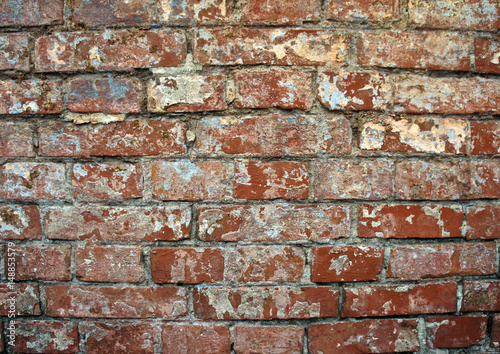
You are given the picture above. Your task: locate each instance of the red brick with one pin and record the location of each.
(112, 264)
(166, 303)
(118, 224)
(362, 11)
(32, 181)
(27, 299)
(264, 303)
(414, 135)
(16, 139)
(273, 135)
(353, 179)
(463, 14)
(2, 345)
(270, 180)
(187, 93)
(495, 331)
(106, 181)
(272, 46)
(482, 222)
(184, 12)
(187, 180)
(346, 263)
(272, 88)
(434, 261)
(107, 12)
(30, 97)
(190, 338)
(129, 138)
(280, 12)
(20, 222)
(268, 340)
(455, 332)
(354, 91)
(487, 55)
(41, 262)
(272, 223)
(391, 300)
(410, 221)
(421, 94)
(31, 13)
(187, 265)
(104, 94)
(369, 336)
(103, 51)
(14, 47)
(46, 337)
(481, 296)
(120, 337)
(485, 138)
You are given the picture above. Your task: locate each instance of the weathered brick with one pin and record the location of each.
(280, 12)
(415, 135)
(46, 337)
(195, 338)
(187, 180)
(42, 262)
(273, 135)
(485, 138)
(128, 138)
(114, 264)
(273, 88)
(30, 97)
(183, 12)
(32, 181)
(481, 296)
(487, 54)
(495, 331)
(427, 50)
(346, 263)
(273, 223)
(391, 300)
(264, 303)
(20, 222)
(455, 332)
(354, 91)
(482, 222)
(16, 139)
(107, 12)
(187, 93)
(27, 299)
(368, 336)
(434, 261)
(362, 11)
(115, 302)
(270, 180)
(106, 181)
(187, 265)
(118, 224)
(103, 51)
(353, 179)
(410, 221)
(14, 47)
(421, 94)
(268, 340)
(31, 12)
(104, 94)
(273, 46)
(2, 345)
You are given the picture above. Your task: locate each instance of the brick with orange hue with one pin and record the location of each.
(27, 181)
(485, 138)
(495, 331)
(41, 262)
(167, 303)
(188, 12)
(410, 221)
(346, 263)
(357, 91)
(31, 13)
(268, 339)
(270, 223)
(20, 222)
(188, 180)
(111, 264)
(367, 336)
(16, 139)
(449, 95)
(187, 265)
(280, 12)
(27, 299)
(455, 331)
(273, 135)
(362, 11)
(98, 12)
(272, 46)
(196, 338)
(482, 222)
(270, 180)
(353, 179)
(30, 97)
(443, 260)
(265, 303)
(481, 295)
(486, 54)
(392, 300)
(14, 47)
(46, 337)
(283, 89)
(103, 51)
(106, 181)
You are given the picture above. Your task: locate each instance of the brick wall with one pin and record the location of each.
(250, 176)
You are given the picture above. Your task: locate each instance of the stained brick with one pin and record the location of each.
(268, 340)
(186, 338)
(30, 97)
(183, 12)
(482, 222)
(31, 12)
(495, 331)
(481, 296)
(485, 138)
(46, 337)
(27, 299)
(108, 12)
(455, 331)
(487, 57)
(42, 262)
(15, 51)
(16, 139)
(280, 12)
(362, 11)
(20, 222)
